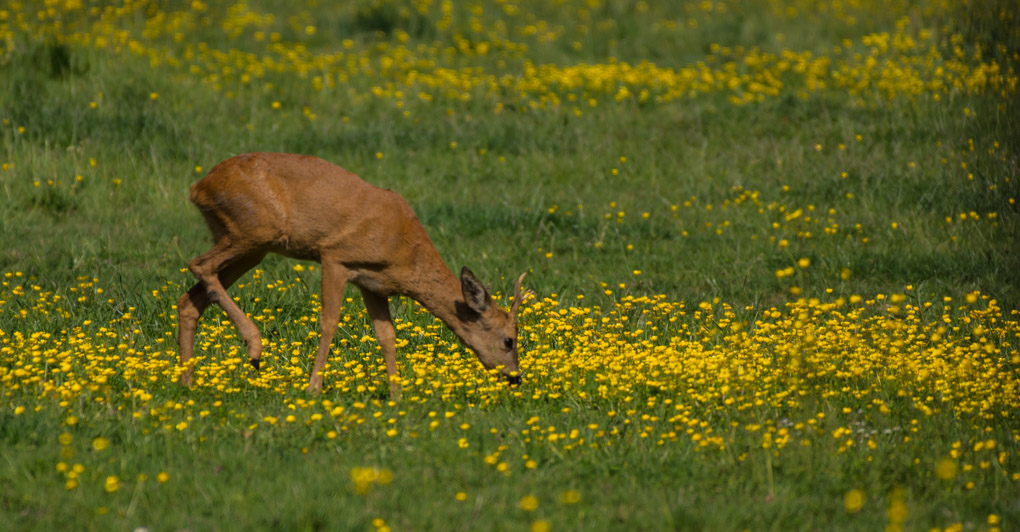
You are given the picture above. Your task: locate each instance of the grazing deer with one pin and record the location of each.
(307, 208)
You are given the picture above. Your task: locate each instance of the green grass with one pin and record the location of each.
(696, 199)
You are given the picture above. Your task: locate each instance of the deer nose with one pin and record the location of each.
(513, 380)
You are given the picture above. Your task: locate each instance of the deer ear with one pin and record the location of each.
(475, 295)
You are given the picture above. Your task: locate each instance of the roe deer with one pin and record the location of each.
(307, 208)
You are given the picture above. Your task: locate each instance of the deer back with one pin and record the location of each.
(306, 207)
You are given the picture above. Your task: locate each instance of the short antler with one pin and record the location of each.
(517, 297)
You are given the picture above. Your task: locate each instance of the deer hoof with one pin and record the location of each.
(255, 363)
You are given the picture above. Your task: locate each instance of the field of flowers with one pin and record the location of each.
(771, 245)
(859, 380)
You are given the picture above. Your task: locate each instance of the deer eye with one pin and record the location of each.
(508, 343)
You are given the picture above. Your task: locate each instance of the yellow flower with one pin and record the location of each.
(100, 443)
(571, 497)
(363, 478)
(529, 503)
(112, 484)
(897, 512)
(162, 477)
(854, 500)
(946, 469)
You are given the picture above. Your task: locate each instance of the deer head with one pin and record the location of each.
(490, 331)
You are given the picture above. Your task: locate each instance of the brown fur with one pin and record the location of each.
(310, 209)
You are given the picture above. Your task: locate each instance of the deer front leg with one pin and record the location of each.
(212, 287)
(379, 310)
(334, 280)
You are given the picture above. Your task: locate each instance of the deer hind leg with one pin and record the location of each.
(216, 270)
(334, 280)
(189, 309)
(379, 310)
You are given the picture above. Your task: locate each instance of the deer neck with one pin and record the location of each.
(439, 291)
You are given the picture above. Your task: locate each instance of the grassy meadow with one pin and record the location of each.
(772, 244)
